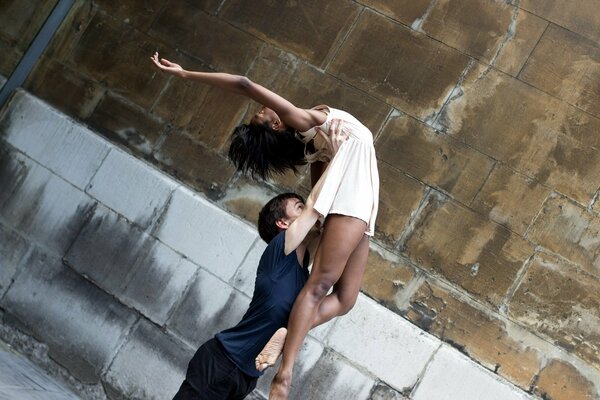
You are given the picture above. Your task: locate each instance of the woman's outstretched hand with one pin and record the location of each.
(335, 137)
(166, 65)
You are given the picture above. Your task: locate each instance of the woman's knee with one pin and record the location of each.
(320, 287)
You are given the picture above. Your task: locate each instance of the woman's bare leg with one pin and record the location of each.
(338, 302)
(341, 236)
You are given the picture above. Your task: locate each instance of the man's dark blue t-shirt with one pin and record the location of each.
(279, 279)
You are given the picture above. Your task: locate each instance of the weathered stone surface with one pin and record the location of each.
(559, 300)
(246, 274)
(136, 268)
(150, 365)
(133, 189)
(137, 13)
(246, 198)
(564, 54)
(409, 12)
(384, 392)
(385, 339)
(523, 36)
(65, 88)
(399, 197)
(561, 381)
(207, 38)
(70, 30)
(128, 124)
(569, 230)
(542, 137)
(195, 164)
(52, 139)
(19, 22)
(207, 114)
(13, 248)
(189, 227)
(452, 376)
(39, 204)
(581, 16)
(306, 87)
(510, 199)
(386, 276)
(310, 29)
(467, 249)
(433, 158)
(412, 72)
(111, 52)
(209, 306)
(67, 312)
(478, 334)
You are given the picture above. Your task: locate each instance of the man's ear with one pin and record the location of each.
(282, 223)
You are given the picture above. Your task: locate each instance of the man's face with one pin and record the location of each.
(293, 209)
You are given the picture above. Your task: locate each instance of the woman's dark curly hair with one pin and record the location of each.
(259, 151)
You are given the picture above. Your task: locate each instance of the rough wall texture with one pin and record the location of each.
(486, 117)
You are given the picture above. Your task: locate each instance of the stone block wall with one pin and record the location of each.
(119, 273)
(485, 115)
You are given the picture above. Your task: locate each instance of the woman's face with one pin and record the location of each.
(268, 117)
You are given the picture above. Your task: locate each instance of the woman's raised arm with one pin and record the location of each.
(291, 115)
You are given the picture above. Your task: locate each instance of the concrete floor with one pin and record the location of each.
(20, 379)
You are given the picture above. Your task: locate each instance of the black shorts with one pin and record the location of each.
(211, 375)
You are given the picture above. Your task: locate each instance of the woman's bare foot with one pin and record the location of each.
(280, 387)
(269, 354)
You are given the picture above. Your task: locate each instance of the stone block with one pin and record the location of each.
(13, 249)
(67, 313)
(111, 51)
(307, 86)
(480, 256)
(386, 277)
(562, 381)
(65, 88)
(150, 365)
(567, 66)
(245, 198)
(333, 377)
(486, 31)
(560, 301)
(127, 124)
(496, 344)
(205, 37)
(189, 227)
(246, 274)
(384, 392)
(310, 29)
(132, 188)
(555, 147)
(408, 12)
(453, 376)
(52, 139)
(581, 16)
(39, 204)
(510, 199)
(195, 164)
(569, 230)
(134, 267)
(433, 158)
(308, 357)
(209, 306)
(399, 198)
(417, 75)
(137, 13)
(385, 338)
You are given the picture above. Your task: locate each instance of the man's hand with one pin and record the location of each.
(335, 137)
(166, 65)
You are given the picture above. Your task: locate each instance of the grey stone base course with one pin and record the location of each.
(121, 272)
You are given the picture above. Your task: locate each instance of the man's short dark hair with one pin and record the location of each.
(271, 212)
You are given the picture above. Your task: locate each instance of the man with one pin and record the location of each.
(224, 367)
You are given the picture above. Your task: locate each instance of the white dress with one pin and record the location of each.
(350, 184)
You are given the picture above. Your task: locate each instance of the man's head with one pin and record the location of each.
(278, 214)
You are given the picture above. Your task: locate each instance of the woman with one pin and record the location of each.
(346, 196)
